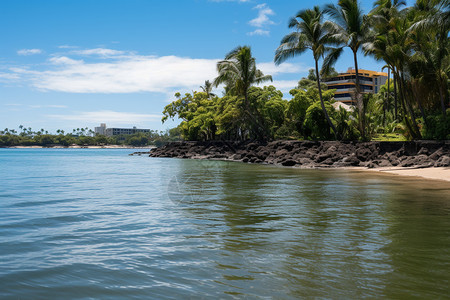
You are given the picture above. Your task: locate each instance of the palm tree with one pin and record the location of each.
(207, 88)
(351, 28)
(433, 48)
(239, 72)
(383, 16)
(311, 34)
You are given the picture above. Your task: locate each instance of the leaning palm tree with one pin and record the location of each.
(207, 88)
(311, 34)
(350, 27)
(238, 71)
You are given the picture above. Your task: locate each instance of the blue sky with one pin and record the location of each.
(78, 63)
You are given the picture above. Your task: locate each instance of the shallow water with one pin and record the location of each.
(88, 223)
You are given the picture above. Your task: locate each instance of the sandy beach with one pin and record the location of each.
(435, 173)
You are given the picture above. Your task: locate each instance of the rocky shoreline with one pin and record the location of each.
(315, 154)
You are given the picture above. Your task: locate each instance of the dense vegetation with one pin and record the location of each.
(82, 137)
(412, 41)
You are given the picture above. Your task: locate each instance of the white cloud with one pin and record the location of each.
(272, 69)
(108, 116)
(67, 47)
(259, 32)
(64, 60)
(127, 75)
(8, 76)
(47, 106)
(263, 16)
(29, 51)
(99, 51)
(130, 73)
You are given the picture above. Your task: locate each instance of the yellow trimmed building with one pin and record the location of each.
(345, 84)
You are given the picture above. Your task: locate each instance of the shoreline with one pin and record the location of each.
(431, 173)
(422, 159)
(78, 147)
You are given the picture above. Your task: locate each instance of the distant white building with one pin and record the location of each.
(117, 131)
(100, 130)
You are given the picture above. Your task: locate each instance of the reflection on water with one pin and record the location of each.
(101, 224)
(322, 233)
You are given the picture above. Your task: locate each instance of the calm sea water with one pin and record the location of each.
(84, 223)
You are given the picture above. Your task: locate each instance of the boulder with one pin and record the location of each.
(443, 161)
(289, 163)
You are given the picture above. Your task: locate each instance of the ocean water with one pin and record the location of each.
(99, 224)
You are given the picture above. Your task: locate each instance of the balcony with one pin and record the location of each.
(348, 81)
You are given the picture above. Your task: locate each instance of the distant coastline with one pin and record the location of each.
(79, 147)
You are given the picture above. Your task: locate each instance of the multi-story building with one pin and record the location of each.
(117, 131)
(100, 130)
(345, 84)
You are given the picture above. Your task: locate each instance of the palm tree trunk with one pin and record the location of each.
(411, 110)
(322, 103)
(395, 94)
(422, 111)
(388, 89)
(359, 100)
(441, 95)
(402, 93)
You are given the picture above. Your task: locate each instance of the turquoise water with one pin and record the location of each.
(85, 223)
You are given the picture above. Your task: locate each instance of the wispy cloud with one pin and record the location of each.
(272, 69)
(8, 76)
(64, 60)
(263, 16)
(99, 51)
(131, 73)
(35, 105)
(47, 106)
(29, 51)
(108, 116)
(259, 32)
(67, 47)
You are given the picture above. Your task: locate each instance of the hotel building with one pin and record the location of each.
(103, 130)
(345, 84)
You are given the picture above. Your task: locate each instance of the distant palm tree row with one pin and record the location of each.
(412, 41)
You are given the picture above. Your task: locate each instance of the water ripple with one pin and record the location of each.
(101, 224)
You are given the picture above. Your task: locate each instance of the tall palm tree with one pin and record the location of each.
(207, 88)
(239, 72)
(351, 28)
(433, 49)
(384, 17)
(311, 34)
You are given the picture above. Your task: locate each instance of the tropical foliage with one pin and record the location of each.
(411, 41)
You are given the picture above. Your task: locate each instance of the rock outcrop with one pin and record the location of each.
(316, 154)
